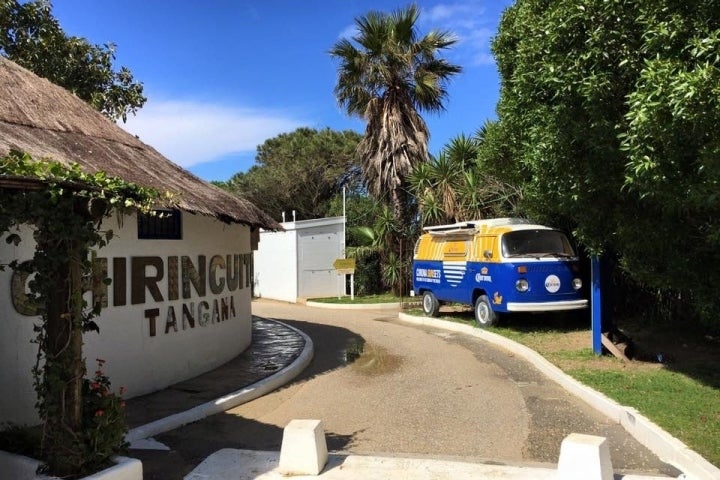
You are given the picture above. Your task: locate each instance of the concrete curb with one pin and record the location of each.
(661, 443)
(230, 400)
(232, 464)
(359, 306)
(20, 467)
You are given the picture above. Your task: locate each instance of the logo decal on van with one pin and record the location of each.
(552, 283)
(454, 272)
(430, 275)
(497, 298)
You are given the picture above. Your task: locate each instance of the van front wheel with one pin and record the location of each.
(430, 304)
(484, 314)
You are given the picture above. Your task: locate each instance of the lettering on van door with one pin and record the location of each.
(430, 275)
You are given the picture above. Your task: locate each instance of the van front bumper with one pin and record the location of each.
(547, 306)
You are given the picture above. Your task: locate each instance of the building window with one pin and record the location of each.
(164, 225)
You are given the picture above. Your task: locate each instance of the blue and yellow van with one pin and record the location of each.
(498, 266)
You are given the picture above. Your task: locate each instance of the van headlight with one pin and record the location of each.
(577, 283)
(522, 285)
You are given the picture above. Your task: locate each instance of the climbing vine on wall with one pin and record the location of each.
(83, 423)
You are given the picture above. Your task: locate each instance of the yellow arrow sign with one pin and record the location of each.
(344, 264)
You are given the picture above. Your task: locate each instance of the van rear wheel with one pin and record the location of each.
(430, 304)
(484, 314)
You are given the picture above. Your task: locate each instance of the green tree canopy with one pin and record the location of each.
(608, 119)
(302, 171)
(30, 36)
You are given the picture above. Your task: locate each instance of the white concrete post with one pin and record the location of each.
(303, 450)
(586, 457)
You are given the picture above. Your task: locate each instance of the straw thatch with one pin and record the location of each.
(48, 122)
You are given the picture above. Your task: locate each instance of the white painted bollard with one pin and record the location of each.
(585, 457)
(303, 450)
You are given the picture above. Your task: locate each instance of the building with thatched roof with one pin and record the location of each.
(46, 121)
(179, 301)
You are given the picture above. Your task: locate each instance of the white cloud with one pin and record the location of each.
(453, 11)
(470, 21)
(190, 132)
(349, 32)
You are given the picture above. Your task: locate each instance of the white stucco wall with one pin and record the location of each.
(298, 262)
(134, 359)
(275, 266)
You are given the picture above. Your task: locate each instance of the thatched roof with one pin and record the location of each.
(48, 122)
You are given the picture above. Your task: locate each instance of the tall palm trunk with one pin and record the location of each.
(395, 74)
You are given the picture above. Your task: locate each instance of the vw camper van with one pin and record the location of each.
(497, 266)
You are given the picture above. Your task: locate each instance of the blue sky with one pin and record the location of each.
(223, 76)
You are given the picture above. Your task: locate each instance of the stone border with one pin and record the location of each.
(661, 443)
(357, 306)
(230, 400)
(19, 467)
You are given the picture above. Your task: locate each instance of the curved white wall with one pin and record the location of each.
(135, 358)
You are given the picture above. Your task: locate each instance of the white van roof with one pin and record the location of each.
(471, 225)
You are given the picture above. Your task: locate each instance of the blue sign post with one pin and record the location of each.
(596, 305)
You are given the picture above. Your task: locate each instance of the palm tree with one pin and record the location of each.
(457, 186)
(387, 81)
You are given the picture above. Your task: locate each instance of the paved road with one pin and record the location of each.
(416, 392)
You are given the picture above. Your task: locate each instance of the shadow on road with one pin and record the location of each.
(332, 346)
(192, 443)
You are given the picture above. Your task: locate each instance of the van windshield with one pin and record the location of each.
(536, 243)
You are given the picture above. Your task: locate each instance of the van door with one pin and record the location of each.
(455, 255)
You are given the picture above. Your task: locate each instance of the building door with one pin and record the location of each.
(316, 253)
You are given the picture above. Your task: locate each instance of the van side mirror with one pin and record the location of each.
(487, 254)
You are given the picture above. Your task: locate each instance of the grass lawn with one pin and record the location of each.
(358, 300)
(681, 395)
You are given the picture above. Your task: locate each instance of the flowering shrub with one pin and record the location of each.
(104, 424)
(101, 436)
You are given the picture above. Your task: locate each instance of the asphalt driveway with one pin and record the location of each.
(415, 391)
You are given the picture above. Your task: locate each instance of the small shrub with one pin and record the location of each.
(103, 430)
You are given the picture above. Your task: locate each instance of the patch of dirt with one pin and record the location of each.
(376, 360)
(649, 347)
(566, 340)
(680, 348)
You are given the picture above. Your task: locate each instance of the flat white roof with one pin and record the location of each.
(315, 222)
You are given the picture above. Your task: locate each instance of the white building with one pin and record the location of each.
(179, 301)
(297, 263)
